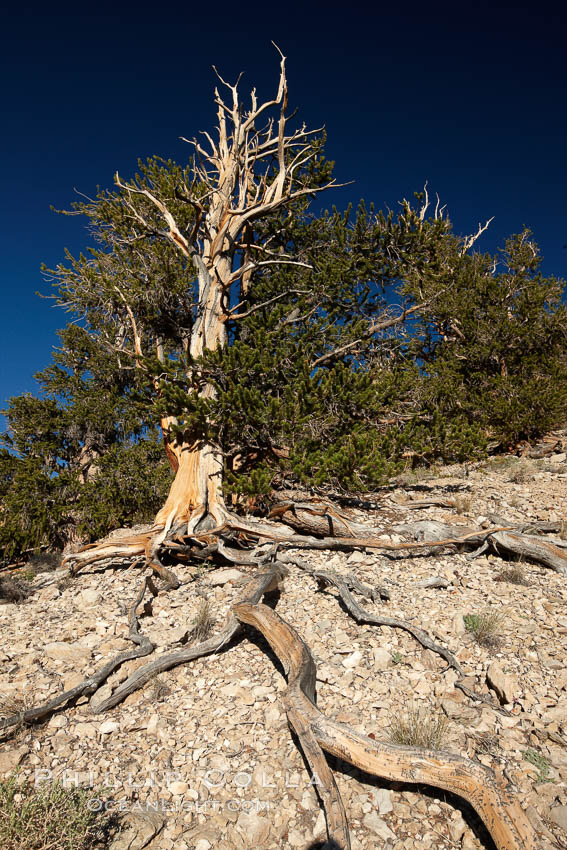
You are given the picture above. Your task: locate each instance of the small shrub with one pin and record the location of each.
(420, 728)
(14, 589)
(538, 761)
(46, 562)
(397, 658)
(203, 622)
(47, 816)
(484, 627)
(463, 504)
(514, 575)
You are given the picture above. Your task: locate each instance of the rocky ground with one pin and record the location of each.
(203, 755)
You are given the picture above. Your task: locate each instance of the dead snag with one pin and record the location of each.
(89, 686)
(488, 794)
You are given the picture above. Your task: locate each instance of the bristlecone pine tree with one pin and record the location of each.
(270, 344)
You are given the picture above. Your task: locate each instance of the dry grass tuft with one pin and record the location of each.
(485, 627)
(159, 689)
(46, 562)
(11, 704)
(420, 728)
(522, 472)
(203, 623)
(514, 575)
(14, 705)
(463, 504)
(485, 743)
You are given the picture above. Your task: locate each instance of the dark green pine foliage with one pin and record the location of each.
(494, 345)
(313, 389)
(80, 459)
(332, 376)
(311, 392)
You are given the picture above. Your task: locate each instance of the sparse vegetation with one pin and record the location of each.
(539, 761)
(420, 728)
(463, 504)
(500, 463)
(44, 562)
(485, 743)
(48, 817)
(410, 477)
(159, 689)
(15, 704)
(522, 472)
(11, 704)
(14, 589)
(203, 622)
(484, 627)
(65, 582)
(514, 575)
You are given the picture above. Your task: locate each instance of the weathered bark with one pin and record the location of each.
(530, 548)
(195, 495)
(196, 491)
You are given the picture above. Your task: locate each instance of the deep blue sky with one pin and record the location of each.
(469, 97)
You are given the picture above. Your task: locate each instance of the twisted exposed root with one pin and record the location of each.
(107, 552)
(253, 592)
(488, 794)
(89, 686)
(344, 584)
(362, 616)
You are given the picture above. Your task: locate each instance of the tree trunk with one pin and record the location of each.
(247, 174)
(195, 495)
(196, 491)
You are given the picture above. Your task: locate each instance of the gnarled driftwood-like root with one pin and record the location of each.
(89, 686)
(254, 590)
(489, 795)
